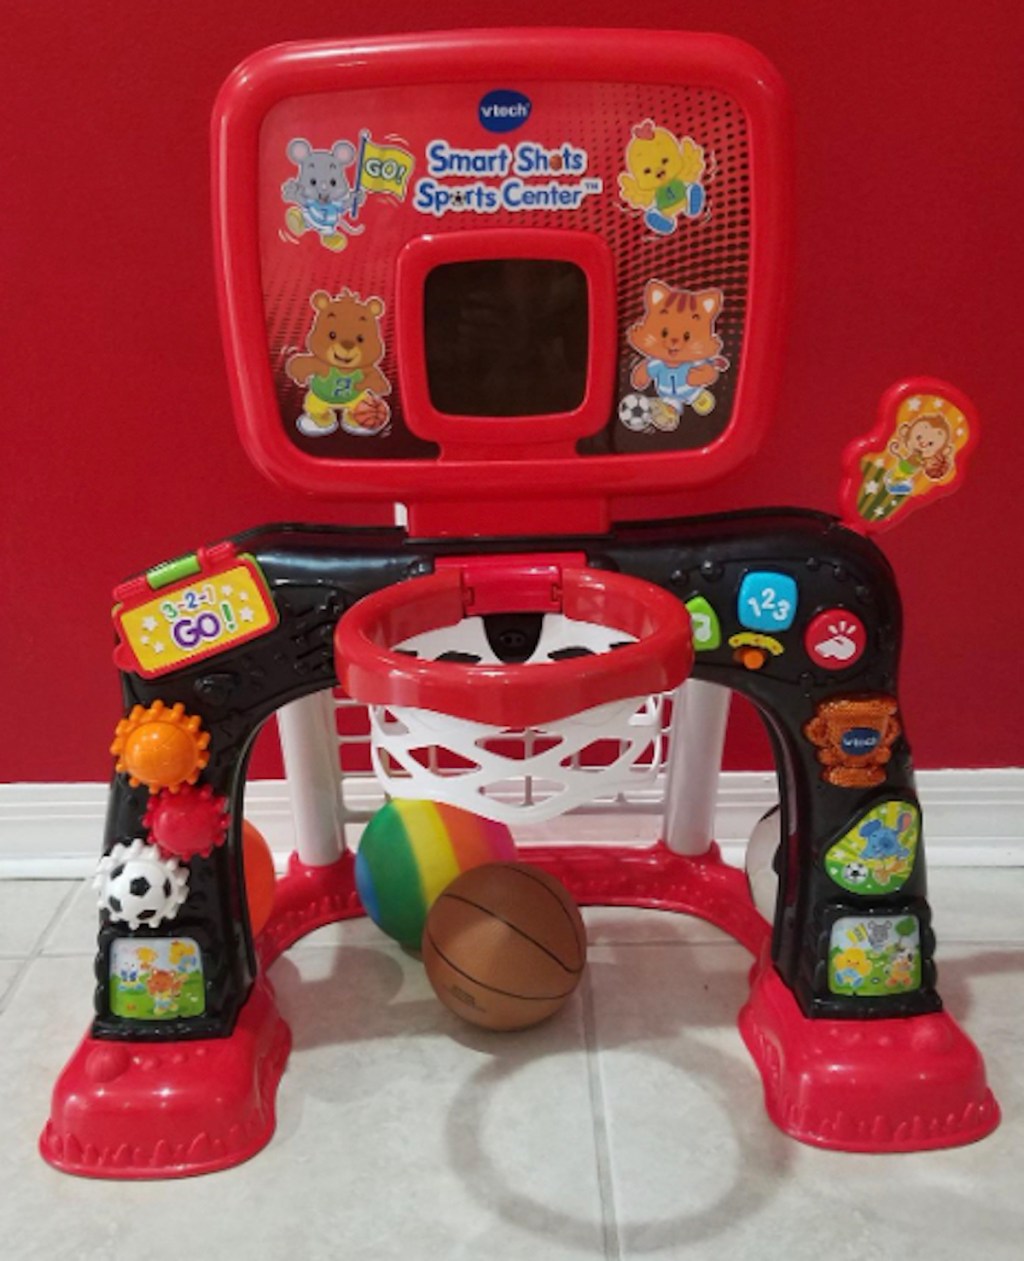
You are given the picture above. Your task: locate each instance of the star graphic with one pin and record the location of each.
(871, 487)
(938, 403)
(159, 646)
(915, 404)
(247, 615)
(149, 623)
(227, 589)
(243, 595)
(879, 512)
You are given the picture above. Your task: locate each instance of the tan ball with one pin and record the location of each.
(504, 946)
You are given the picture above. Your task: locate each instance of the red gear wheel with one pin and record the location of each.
(188, 823)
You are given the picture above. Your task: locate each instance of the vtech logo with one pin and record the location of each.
(504, 110)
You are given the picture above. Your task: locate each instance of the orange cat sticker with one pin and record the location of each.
(680, 357)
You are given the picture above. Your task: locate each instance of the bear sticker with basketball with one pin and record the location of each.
(680, 357)
(341, 372)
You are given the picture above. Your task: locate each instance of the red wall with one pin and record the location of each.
(119, 448)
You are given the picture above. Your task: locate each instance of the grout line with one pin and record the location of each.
(37, 949)
(612, 1244)
(88, 953)
(57, 917)
(14, 986)
(661, 942)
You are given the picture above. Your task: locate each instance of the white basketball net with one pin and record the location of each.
(527, 774)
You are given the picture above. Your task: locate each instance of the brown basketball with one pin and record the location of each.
(370, 414)
(504, 946)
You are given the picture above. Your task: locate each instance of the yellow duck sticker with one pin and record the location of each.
(663, 177)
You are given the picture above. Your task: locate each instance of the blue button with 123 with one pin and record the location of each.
(767, 601)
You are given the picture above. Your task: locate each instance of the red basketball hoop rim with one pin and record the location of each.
(512, 696)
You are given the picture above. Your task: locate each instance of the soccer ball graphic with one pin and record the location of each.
(138, 887)
(855, 873)
(635, 412)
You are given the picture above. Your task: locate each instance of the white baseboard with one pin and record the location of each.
(972, 818)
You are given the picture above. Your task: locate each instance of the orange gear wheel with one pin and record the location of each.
(161, 747)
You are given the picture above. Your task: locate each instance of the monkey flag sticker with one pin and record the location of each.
(916, 453)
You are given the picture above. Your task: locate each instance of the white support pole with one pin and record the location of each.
(309, 744)
(695, 743)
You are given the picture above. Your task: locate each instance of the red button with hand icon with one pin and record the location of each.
(835, 639)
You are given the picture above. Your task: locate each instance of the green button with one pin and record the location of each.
(707, 633)
(173, 571)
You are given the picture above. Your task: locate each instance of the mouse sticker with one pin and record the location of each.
(663, 177)
(330, 186)
(680, 357)
(341, 372)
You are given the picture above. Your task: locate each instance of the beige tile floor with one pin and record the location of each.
(628, 1127)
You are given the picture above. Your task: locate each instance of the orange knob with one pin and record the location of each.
(161, 747)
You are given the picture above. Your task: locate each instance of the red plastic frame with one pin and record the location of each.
(513, 696)
(472, 494)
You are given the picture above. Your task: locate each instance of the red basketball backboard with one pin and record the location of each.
(513, 280)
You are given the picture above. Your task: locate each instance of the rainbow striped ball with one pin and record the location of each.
(411, 851)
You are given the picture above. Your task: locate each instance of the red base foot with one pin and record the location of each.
(865, 1085)
(168, 1110)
